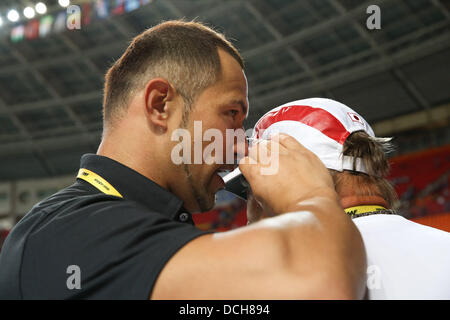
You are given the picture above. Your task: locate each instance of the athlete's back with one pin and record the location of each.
(406, 260)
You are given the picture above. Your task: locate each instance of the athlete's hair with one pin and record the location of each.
(373, 152)
(184, 53)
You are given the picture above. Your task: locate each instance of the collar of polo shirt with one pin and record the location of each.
(136, 187)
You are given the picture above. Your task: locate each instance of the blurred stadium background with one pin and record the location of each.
(397, 77)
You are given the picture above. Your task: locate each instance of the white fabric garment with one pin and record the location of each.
(406, 260)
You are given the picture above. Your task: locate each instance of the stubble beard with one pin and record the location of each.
(200, 195)
(198, 191)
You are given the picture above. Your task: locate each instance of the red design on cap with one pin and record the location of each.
(316, 118)
(354, 117)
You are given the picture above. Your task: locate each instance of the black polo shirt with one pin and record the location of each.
(112, 247)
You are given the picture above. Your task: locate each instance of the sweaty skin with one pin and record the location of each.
(309, 249)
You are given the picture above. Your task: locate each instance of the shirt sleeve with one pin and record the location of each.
(119, 253)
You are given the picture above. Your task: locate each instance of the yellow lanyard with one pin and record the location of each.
(98, 182)
(363, 209)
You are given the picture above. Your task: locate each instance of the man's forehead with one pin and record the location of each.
(233, 87)
(230, 66)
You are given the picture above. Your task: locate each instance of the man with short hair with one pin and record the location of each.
(406, 260)
(124, 228)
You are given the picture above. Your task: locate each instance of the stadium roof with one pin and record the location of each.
(51, 87)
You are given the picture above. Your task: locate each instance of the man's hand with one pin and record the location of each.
(255, 211)
(299, 175)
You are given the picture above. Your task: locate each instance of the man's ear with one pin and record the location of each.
(158, 92)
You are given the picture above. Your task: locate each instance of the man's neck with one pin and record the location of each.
(131, 155)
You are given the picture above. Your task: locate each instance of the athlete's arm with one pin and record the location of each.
(310, 249)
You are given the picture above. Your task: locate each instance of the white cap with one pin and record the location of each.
(321, 125)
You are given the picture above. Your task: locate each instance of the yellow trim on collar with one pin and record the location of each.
(363, 209)
(98, 182)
